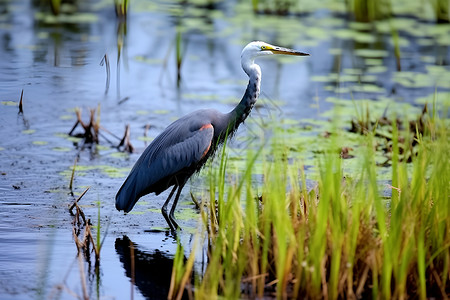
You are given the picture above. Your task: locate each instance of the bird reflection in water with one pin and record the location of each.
(152, 269)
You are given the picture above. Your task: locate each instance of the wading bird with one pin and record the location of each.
(186, 144)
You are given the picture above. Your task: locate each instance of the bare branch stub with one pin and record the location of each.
(90, 134)
(78, 199)
(91, 130)
(125, 141)
(21, 104)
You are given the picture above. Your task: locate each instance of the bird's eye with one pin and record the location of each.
(263, 47)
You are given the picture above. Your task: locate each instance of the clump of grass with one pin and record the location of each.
(343, 240)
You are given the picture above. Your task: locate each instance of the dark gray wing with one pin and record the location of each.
(181, 145)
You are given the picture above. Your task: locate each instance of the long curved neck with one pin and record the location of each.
(242, 110)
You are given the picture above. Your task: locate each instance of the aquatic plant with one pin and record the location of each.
(55, 5)
(121, 8)
(342, 239)
(370, 10)
(179, 56)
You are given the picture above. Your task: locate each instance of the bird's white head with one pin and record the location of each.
(257, 48)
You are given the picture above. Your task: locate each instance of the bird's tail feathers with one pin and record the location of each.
(126, 197)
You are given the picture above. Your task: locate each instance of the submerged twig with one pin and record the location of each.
(123, 100)
(79, 198)
(105, 61)
(21, 104)
(83, 277)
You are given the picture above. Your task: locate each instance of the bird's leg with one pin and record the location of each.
(174, 205)
(164, 208)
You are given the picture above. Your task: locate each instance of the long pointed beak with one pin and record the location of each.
(287, 51)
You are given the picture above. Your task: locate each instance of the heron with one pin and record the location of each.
(185, 145)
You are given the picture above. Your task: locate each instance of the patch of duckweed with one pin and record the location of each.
(368, 88)
(425, 42)
(113, 172)
(120, 154)
(288, 121)
(9, 103)
(78, 18)
(442, 100)
(335, 77)
(135, 212)
(373, 61)
(66, 117)
(65, 136)
(40, 143)
(142, 112)
(337, 89)
(358, 36)
(145, 138)
(377, 69)
(82, 170)
(148, 60)
(28, 131)
(68, 174)
(436, 77)
(61, 149)
(371, 53)
(186, 214)
(161, 111)
(101, 147)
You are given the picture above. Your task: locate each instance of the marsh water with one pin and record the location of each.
(166, 59)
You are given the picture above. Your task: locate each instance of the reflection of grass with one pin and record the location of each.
(370, 10)
(121, 7)
(339, 240)
(55, 5)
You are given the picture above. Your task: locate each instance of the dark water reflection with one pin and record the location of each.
(150, 270)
